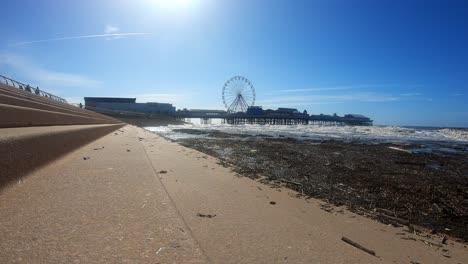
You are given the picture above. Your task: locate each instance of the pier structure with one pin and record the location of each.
(282, 116)
(242, 120)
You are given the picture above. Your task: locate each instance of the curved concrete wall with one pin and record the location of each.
(25, 149)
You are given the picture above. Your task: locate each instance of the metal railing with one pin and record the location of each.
(28, 88)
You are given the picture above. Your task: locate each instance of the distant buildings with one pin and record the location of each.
(254, 114)
(128, 105)
(349, 119)
(281, 112)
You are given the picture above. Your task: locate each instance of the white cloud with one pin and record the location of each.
(111, 29)
(410, 94)
(37, 75)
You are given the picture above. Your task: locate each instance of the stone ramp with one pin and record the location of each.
(102, 203)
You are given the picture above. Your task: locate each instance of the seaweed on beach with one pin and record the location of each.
(383, 181)
(191, 131)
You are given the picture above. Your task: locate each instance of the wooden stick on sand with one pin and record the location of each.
(352, 243)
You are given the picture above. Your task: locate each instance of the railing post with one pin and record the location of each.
(28, 88)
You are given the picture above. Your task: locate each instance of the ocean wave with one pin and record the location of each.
(380, 133)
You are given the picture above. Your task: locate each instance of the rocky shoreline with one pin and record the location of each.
(391, 183)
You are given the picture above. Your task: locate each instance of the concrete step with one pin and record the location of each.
(26, 148)
(20, 94)
(18, 116)
(16, 101)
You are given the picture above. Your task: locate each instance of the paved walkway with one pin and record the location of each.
(110, 208)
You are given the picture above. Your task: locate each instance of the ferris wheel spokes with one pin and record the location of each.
(238, 94)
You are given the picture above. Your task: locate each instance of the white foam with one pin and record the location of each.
(380, 133)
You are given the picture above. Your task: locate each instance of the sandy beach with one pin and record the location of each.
(399, 183)
(141, 198)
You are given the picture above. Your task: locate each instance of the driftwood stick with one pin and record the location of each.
(384, 211)
(290, 182)
(396, 219)
(383, 215)
(354, 244)
(400, 149)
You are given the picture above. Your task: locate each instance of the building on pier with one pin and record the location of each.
(291, 116)
(281, 116)
(129, 105)
(256, 115)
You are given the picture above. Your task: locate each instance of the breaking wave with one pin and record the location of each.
(372, 133)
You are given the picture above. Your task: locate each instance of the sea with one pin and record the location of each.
(445, 138)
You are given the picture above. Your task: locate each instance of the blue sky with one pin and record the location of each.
(399, 62)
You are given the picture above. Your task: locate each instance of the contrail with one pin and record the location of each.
(81, 37)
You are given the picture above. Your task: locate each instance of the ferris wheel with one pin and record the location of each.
(238, 94)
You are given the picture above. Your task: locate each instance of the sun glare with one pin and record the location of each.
(174, 4)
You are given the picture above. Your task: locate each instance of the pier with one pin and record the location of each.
(282, 116)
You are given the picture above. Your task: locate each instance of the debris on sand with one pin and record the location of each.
(408, 238)
(159, 250)
(162, 172)
(381, 181)
(352, 243)
(444, 240)
(86, 158)
(206, 215)
(327, 207)
(400, 149)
